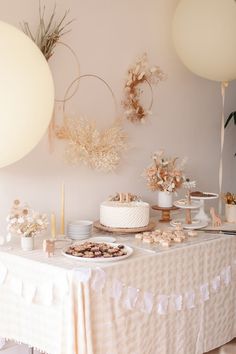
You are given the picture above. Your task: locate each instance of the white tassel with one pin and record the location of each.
(190, 299)
(204, 289)
(226, 275)
(147, 302)
(178, 300)
(131, 297)
(215, 284)
(162, 305)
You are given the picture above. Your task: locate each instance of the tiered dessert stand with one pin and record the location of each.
(202, 215)
(188, 222)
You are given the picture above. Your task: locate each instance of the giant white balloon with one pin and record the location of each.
(204, 33)
(26, 94)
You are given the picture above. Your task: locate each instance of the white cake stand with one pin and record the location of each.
(182, 204)
(202, 215)
(195, 223)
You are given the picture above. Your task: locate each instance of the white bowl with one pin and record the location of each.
(79, 226)
(79, 231)
(81, 223)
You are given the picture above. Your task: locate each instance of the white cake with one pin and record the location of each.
(124, 215)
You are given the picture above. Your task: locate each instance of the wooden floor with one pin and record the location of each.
(229, 348)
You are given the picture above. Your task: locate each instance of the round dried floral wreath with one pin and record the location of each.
(138, 74)
(97, 149)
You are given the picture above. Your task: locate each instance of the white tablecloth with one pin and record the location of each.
(45, 303)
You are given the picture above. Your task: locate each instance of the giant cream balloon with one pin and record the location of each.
(26, 94)
(204, 33)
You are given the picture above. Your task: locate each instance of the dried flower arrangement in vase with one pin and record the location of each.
(26, 222)
(165, 176)
(230, 207)
(138, 74)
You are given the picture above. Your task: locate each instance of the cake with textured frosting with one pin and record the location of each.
(128, 212)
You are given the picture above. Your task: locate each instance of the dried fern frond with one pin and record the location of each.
(47, 34)
(99, 150)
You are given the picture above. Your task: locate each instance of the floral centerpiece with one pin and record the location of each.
(230, 207)
(165, 175)
(26, 222)
(230, 198)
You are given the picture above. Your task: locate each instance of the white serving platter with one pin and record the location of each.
(128, 249)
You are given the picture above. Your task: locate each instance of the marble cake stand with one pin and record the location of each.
(202, 215)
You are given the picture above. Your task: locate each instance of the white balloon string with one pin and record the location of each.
(222, 138)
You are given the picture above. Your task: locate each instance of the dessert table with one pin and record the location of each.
(176, 300)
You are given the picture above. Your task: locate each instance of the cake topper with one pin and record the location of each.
(124, 198)
(188, 185)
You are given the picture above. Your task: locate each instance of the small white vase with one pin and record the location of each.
(230, 213)
(27, 243)
(164, 199)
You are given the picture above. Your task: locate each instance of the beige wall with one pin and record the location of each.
(107, 37)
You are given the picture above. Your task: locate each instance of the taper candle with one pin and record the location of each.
(53, 225)
(62, 226)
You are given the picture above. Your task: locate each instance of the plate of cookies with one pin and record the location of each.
(97, 251)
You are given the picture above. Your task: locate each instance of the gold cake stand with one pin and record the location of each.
(122, 230)
(165, 212)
